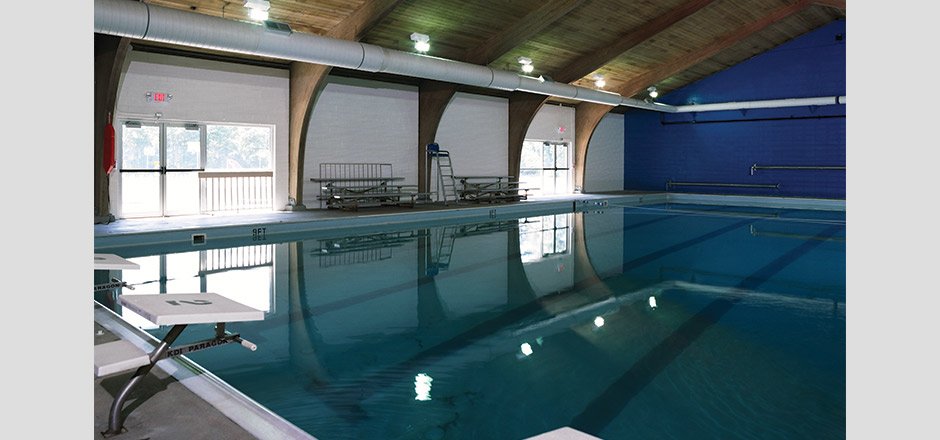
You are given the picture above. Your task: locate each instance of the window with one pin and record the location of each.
(545, 165)
(238, 147)
(163, 168)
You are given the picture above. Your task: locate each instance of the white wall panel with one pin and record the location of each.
(475, 130)
(545, 125)
(604, 170)
(362, 121)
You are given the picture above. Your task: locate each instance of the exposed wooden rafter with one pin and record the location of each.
(529, 25)
(590, 62)
(306, 81)
(586, 117)
(433, 97)
(688, 60)
(838, 4)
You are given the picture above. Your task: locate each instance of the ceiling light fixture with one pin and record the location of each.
(421, 42)
(599, 81)
(526, 64)
(258, 9)
(653, 92)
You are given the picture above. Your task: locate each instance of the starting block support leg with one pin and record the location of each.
(115, 422)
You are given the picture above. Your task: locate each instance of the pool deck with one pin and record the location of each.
(167, 407)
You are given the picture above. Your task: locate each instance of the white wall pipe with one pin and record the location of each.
(770, 103)
(144, 21)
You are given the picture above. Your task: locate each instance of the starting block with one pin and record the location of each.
(113, 262)
(178, 310)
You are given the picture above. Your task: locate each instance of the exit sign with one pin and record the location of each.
(158, 97)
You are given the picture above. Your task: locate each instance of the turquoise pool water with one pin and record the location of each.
(512, 327)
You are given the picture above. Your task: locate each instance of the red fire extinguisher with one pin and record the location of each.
(109, 161)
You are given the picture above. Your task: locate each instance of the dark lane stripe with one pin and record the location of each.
(636, 262)
(604, 408)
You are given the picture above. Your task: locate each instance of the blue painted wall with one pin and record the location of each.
(721, 146)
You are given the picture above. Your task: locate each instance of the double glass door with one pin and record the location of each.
(159, 168)
(545, 165)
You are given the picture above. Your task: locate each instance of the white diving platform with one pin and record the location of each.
(189, 308)
(118, 356)
(565, 433)
(178, 310)
(113, 262)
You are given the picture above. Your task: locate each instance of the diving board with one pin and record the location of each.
(113, 262)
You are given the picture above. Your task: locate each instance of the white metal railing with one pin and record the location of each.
(233, 191)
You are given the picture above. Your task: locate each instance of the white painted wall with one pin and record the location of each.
(604, 168)
(475, 130)
(544, 126)
(209, 91)
(358, 120)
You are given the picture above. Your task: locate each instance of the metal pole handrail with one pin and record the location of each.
(733, 185)
(756, 167)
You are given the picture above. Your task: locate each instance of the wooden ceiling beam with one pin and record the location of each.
(838, 4)
(690, 59)
(592, 61)
(306, 81)
(512, 36)
(587, 115)
(362, 20)
(110, 53)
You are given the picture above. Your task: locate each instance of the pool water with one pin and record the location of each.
(509, 328)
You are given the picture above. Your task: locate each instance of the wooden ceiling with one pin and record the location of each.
(632, 43)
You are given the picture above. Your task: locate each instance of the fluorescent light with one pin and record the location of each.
(526, 64)
(264, 5)
(258, 14)
(421, 42)
(258, 9)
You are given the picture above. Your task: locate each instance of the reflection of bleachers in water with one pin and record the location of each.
(245, 257)
(445, 238)
(361, 248)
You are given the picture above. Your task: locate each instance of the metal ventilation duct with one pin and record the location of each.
(148, 22)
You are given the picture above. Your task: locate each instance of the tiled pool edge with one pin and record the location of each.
(282, 228)
(758, 201)
(584, 202)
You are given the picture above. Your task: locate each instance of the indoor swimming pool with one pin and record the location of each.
(657, 321)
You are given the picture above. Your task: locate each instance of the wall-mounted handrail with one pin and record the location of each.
(758, 233)
(756, 167)
(731, 185)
